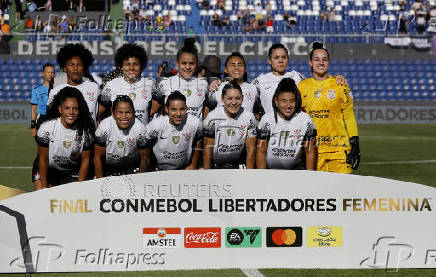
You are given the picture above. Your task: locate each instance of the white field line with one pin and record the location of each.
(399, 138)
(403, 162)
(15, 167)
(251, 272)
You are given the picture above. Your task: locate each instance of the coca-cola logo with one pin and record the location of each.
(203, 237)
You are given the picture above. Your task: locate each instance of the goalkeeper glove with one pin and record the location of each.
(353, 157)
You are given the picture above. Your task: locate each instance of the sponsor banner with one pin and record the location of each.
(395, 114)
(325, 236)
(397, 41)
(161, 237)
(244, 237)
(226, 219)
(297, 47)
(421, 43)
(15, 113)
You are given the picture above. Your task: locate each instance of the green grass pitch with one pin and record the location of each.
(402, 152)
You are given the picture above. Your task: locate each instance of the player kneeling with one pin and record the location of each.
(286, 136)
(175, 138)
(230, 132)
(117, 141)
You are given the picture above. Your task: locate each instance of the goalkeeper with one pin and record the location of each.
(331, 107)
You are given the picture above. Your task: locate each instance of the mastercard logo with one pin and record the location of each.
(284, 236)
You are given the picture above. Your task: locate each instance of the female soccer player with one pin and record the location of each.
(75, 59)
(266, 84)
(235, 68)
(175, 138)
(192, 87)
(286, 134)
(230, 132)
(65, 139)
(330, 105)
(132, 59)
(119, 141)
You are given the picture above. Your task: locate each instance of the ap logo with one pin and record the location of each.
(43, 253)
(388, 253)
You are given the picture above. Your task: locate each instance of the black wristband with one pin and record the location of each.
(32, 124)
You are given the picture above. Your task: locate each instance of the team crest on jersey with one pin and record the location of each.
(297, 134)
(200, 92)
(317, 93)
(331, 94)
(187, 136)
(132, 96)
(121, 144)
(248, 96)
(77, 141)
(91, 96)
(176, 139)
(231, 132)
(66, 143)
(187, 92)
(130, 142)
(144, 93)
(241, 130)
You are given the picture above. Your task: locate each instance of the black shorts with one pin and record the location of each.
(59, 177)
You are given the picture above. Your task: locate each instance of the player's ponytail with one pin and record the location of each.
(287, 85)
(188, 47)
(318, 45)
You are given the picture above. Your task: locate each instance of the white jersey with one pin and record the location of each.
(249, 92)
(141, 93)
(194, 90)
(122, 155)
(230, 134)
(285, 138)
(64, 145)
(172, 145)
(89, 90)
(266, 85)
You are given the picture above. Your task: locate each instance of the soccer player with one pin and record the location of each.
(286, 136)
(192, 87)
(230, 132)
(330, 105)
(235, 68)
(65, 138)
(40, 95)
(74, 59)
(132, 59)
(119, 141)
(175, 138)
(266, 84)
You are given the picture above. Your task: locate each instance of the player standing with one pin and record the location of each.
(266, 84)
(65, 139)
(330, 105)
(119, 141)
(230, 132)
(192, 87)
(40, 95)
(132, 59)
(75, 59)
(286, 136)
(175, 138)
(235, 68)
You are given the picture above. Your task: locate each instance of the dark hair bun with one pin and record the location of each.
(318, 45)
(189, 43)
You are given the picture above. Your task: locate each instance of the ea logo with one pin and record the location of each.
(235, 237)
